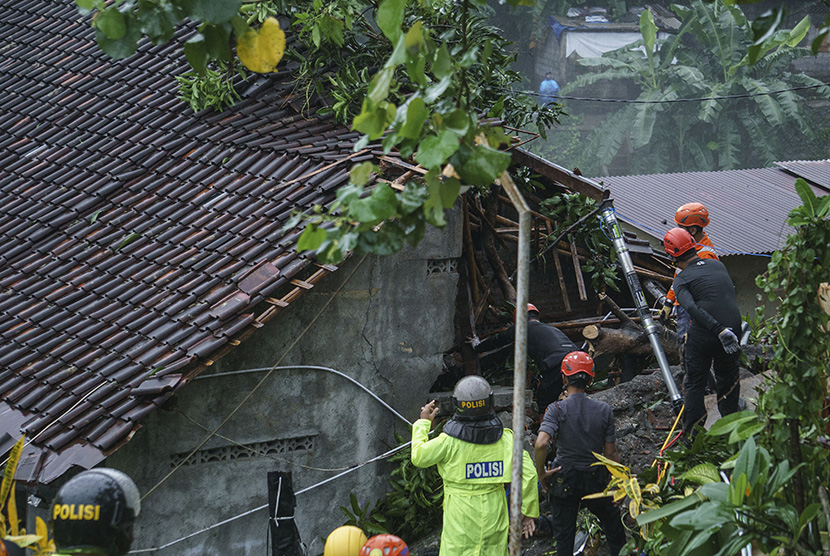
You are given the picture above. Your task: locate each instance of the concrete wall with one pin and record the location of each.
(387, 329)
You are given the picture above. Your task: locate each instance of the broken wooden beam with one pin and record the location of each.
(560, 175)
(561, 278)
(583, 322)
(615, 309)
(580, 280)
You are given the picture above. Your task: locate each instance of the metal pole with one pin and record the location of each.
(519, 362)
(612, 226)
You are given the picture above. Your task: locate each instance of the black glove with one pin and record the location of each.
(729, 341)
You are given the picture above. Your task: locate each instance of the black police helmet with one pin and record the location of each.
(473, 398)
(96, 509)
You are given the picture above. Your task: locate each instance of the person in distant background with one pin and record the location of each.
(548, 90)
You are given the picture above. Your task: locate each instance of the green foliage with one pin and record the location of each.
(120, 24)
(799, 336)
(214, 88)
(362, 518)
(411, 509)
(720, 517)
(714, 54)
(563, 144)
(444, 68)
(565, 209)
(420, 75)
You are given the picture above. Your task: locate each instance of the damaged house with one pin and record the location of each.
(155, 314)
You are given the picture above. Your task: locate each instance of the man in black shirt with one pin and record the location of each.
(579, 427)
(706, 291)
(546, 347)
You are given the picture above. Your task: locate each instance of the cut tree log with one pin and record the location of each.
(630, 340)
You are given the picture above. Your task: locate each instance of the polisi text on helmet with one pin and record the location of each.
(83, 512)
(472, 405)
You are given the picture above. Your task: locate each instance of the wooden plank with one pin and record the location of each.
(581, 323)
(561, 277)
(580, 281)
(560, 175)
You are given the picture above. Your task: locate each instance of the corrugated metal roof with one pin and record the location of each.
(815, 171)
(138, 240)
(748, 208)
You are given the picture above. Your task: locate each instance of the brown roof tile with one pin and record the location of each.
(138, 239)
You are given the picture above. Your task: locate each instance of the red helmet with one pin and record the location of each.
(578, 362)
(530, 308)
(677, 241)
(692, 214)
(384, 545)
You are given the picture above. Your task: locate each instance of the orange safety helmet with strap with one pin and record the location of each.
(384, 545)
(677, 241)
(531, 308)
(578, 362)
(692, 214)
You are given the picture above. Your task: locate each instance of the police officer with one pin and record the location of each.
(546, 346)
(579, 426)
(94, 512)
(474, 458)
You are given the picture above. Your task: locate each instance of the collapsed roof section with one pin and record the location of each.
(139, 240)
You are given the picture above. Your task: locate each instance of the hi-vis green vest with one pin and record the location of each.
(475, 504)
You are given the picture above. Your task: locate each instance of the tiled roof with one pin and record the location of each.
(748, 208)
(138, 240)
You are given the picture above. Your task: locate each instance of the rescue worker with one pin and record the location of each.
(94, 513)
(546, 346)
(692, 217)
(474, 459)
(706, 291)
(578, 426)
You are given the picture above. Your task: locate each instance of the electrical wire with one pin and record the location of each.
(315, 368)
(344, 471)
(671, 101)
(264, 506)
(666, 444)
(261, 382)
(286, 368)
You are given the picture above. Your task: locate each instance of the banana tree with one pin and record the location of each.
(712, 55)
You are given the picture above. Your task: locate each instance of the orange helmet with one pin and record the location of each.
(384, 545)
(692, 214)
(677, 241)
(531, 308)
(578, 362)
